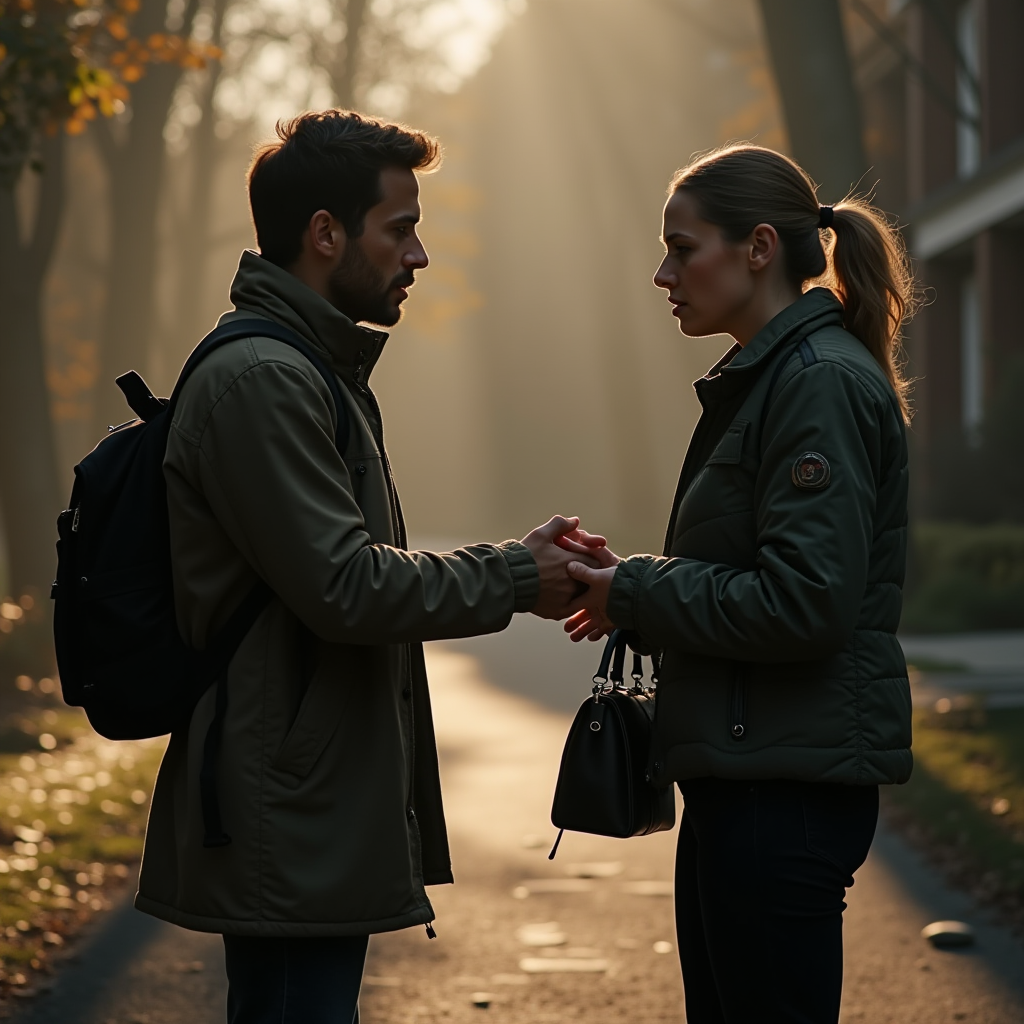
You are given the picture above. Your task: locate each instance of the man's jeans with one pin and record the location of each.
(294, 981)
(761, 875)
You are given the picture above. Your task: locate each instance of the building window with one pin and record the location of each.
(968, 71)
(972, 391)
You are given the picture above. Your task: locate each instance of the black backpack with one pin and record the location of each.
(119, 652)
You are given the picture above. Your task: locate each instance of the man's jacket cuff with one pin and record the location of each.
(624, 595)
(525, 577)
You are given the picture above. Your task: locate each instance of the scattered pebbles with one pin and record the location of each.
(563, 965)
(948, 934)
(547, 933)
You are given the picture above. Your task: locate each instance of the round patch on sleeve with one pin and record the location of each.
(811, 472)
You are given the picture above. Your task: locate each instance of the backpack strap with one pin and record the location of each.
(259, 328)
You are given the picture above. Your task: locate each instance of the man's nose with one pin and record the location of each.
(416, 258)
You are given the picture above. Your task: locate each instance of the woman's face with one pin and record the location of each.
(709, 279)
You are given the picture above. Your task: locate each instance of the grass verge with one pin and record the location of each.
(964, 804)
(73, 810)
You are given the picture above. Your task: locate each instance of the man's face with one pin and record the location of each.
(375, 270)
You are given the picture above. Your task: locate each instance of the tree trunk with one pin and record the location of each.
(193, 240)
(135, 167)
(812, 70)
(29, 485)
(343, 74)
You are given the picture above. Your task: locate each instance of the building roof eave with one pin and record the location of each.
(959, 211)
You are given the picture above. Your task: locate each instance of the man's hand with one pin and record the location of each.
(591, 621)
(553, 546)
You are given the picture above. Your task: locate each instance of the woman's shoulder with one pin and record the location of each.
(836, 347)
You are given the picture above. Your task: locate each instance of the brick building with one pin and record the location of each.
(942, 90)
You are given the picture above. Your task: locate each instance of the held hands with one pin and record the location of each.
(554, 546)
(592, 621)
(576, 570)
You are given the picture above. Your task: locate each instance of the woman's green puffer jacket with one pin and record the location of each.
(777, 603)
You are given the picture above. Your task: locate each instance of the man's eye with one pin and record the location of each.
(402, 231)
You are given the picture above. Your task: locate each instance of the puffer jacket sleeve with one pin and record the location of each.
(801, 601)
(277, 484)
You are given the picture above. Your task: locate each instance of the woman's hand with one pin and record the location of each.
(583, 543)
(592, 621)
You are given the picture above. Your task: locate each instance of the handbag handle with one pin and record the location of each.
(613, 663)
(601, 676)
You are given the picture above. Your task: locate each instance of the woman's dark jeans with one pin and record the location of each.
(761, 875)
(294, 981)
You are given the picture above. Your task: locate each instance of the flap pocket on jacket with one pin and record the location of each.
(315, 725)
(730, 449)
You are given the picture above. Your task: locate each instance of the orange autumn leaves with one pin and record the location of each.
(92, 41)
(103, 89)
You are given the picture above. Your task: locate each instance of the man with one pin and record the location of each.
(327, 774)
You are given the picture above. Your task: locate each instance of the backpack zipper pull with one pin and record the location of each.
(431, 934)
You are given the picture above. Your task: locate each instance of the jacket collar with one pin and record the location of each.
(264, 288)
(814, 309)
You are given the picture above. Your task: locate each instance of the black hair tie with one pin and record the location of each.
(825, 216)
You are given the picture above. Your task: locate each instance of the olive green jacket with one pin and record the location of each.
(778, 599)
(327, 776)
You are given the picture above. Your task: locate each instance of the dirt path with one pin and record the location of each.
(499, 754)
(499, 758)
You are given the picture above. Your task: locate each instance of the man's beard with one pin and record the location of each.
(360, 291)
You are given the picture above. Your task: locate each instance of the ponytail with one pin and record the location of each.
(863, 259)
(869, 272)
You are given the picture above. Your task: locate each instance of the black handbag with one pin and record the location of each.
(604, 783)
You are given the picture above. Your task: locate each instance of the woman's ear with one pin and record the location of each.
(764, 245)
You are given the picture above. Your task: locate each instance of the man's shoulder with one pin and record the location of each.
(251, 361)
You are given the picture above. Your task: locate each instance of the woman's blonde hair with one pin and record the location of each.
(864, 261)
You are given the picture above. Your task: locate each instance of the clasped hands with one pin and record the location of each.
(576, 570)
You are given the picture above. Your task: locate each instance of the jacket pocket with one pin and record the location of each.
(738, 703)
(319, 715)
(729, 451)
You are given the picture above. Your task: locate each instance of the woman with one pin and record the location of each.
(783, 701)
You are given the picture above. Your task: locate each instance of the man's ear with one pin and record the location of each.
(764, 245)
(325, 235)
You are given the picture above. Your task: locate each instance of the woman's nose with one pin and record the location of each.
(664, 279)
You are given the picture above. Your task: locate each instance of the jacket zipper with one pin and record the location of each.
(738, 704)
(370, 397)
(399, 532)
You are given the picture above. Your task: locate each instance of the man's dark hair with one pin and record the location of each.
(327, 160)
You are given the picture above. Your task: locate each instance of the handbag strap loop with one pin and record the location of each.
(601, 676)
(638, 672)
(618, 673)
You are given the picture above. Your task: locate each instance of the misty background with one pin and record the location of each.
(537, 369)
